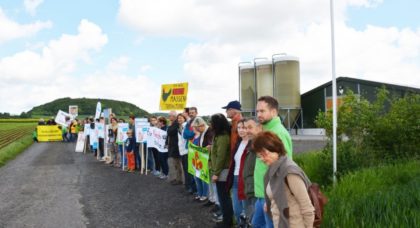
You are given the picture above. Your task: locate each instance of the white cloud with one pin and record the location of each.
(118, 64)
(32, 5)
(34, 77)
(10, 29)
(58, 58)
(234, 31)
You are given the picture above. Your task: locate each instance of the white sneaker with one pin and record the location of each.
(163, 177)
(156, 173)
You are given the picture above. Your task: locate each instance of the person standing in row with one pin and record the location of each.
(267, 114)
(285, 184)
(220, 160)
(252, 128)
(235, 179)
(130, 143)
(203, 139)
(188, 135)
(163, 156)
(153, 151)
(174, 161)
(233, 112)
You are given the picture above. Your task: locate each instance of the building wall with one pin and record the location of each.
(315, 100)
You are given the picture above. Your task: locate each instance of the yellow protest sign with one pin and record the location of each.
(174, 96)
(48, 133)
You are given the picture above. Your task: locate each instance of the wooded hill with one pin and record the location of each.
(87, 106)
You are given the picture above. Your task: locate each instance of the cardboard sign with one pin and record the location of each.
(156, 139)
(142, 127)
(61, 118)
(80, 145)
(48, 133)
(98, 110)
(73, 110)
(198, 159)
(173, 96)
(122, 132)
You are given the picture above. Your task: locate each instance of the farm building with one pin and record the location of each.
(320, 98)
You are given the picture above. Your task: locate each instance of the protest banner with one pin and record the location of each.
(156, 139)
(100, 130)
(80, 145)
(86, 130)
(107, 112)
(122, 133)
(93, 138)
(61, 118)
(73, 110)
(198, 159)
(48, 133)
(142, 127)
(174, 96)
(98, 110)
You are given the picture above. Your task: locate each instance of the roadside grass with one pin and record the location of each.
(384, 196)
(15, 148)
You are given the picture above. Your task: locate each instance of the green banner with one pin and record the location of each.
(198, 159)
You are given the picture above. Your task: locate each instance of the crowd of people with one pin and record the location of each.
(253, 179)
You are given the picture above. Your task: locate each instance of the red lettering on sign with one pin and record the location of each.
(178, 91)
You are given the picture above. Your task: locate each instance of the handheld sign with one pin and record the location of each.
(142, 127)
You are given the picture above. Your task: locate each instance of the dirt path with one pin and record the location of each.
(50, 186)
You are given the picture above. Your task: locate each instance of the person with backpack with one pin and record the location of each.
(285, 184)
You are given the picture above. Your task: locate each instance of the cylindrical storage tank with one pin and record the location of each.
(264, 77)
(247, 87)
(287, 86)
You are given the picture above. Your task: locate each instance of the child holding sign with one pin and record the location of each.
(129, 145)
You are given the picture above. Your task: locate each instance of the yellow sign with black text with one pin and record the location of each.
(47, 133)
(174, 96)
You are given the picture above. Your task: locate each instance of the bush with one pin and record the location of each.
(369, 134)
(317, 166)
(386, 196)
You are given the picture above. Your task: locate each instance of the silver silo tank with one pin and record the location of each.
(287, 87)
(247, 86)
(264, 77)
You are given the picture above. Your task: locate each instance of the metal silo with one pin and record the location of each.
(247, 95)
(264, 77)
(287, 87)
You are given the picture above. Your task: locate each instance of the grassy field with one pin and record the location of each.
(14, 138)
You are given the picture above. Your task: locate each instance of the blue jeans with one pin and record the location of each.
(238, 205)
(260, 218)
(202, 187)
(123, 157)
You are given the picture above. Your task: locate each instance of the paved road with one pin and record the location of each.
(51, 186)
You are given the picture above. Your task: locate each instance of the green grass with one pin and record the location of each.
(12, 125)
(15, 148)
(385, 196)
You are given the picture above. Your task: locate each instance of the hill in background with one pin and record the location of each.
(86, 106)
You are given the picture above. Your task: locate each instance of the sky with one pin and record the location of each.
(125, 50)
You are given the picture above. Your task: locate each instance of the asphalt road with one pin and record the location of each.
(49, 185)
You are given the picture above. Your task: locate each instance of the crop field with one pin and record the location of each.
(12, 131)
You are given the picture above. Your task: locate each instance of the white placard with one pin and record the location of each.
(122, 132)
(86, 130)
(156, 139)
(73, 110)
(93, 138)
(98, 110)
(61, 118)
(100, 129)
(142, 127)
(80, 145)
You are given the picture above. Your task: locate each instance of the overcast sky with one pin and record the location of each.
(124, 50)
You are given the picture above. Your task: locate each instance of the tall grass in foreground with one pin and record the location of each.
(15, 148)
(386, 196)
